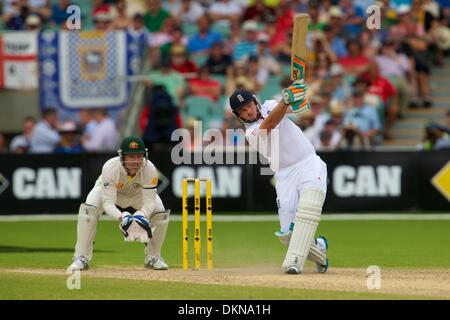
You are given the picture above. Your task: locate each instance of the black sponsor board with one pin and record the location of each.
(357, 182)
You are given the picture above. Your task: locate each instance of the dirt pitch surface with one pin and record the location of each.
(432, 283)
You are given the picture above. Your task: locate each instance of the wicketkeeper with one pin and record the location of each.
(300, 174)
(126, 191)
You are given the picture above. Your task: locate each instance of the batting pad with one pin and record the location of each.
(86, 230)
(306, 221)
(159, 222)
(316, 255)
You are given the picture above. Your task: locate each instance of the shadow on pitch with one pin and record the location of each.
(14, 249)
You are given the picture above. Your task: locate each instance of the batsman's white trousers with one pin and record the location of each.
(290, 181)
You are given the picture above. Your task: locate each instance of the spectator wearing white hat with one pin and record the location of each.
(70, 139)
(337, 20)
(249, 46)
(340, 89)
(33, 22)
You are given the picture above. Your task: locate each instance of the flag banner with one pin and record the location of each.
(18, 60)
(86, 69)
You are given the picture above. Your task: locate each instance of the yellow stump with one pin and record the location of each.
(197, 239)
(197, 224)
(185, 225)
(209, 224)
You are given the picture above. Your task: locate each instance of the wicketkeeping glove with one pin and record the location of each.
(294, 93)
(127, 218)
(142, 221)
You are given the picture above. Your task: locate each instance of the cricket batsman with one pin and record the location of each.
(126, 191)
(300, 174)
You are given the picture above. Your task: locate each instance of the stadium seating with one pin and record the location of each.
(199, 108)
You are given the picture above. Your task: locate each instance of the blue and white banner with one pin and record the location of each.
(86, 69)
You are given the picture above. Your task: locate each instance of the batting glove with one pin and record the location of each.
(142, 221)
(294, 93)
(300, 107)
(127, 219)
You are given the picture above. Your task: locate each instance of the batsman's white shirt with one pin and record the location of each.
(116, 187)
(293, 159)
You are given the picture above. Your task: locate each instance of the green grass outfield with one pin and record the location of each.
(353, 244)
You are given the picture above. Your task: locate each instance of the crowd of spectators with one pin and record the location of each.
(93, 131)
(360, 80)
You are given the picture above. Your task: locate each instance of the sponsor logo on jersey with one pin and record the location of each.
(154, 181)
(105, 184)
(137, 185)
(119, 185)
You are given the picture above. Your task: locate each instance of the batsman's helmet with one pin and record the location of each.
(241, 98)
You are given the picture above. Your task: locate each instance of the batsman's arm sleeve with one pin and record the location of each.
(274, 118)
(149, 191)
(109, 193)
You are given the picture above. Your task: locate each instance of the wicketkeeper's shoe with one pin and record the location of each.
(79, 263)
(156, 263)
(322, 243)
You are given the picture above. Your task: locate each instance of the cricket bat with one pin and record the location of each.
(298, 55)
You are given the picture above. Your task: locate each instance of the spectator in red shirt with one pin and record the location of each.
(282, 28)
(355, 62)
(259, 12)
(383, 88)
(205, 86)
(181, 63)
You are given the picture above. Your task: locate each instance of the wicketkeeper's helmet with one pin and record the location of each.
(132, 145)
